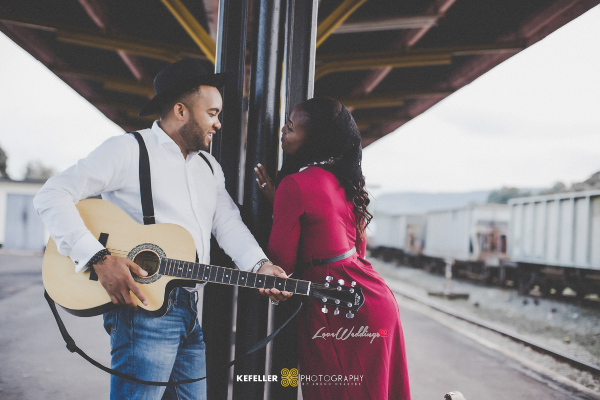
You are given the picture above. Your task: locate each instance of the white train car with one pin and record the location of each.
(555, 240)
(398, 236)
(472, 238)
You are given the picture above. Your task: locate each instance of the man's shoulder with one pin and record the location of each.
(121, 140)
(210, 159)
(209, 156)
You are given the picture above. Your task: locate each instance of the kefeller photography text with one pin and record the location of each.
(290, 377)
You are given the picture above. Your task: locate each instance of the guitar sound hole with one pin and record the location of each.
(149, 261)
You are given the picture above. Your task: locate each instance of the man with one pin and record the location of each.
(188, 189)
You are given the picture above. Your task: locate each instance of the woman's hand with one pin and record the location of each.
(274, 294)
(264, 182)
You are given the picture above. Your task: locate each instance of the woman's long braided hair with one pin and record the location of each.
(333, 143)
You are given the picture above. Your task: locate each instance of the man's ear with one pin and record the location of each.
(180, 111)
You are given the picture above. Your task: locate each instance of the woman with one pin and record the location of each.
(319, 212)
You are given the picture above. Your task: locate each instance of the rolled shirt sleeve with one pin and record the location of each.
(101, 171)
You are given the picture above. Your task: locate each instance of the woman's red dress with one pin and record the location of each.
(312, 219)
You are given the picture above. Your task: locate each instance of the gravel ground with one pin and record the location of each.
(563, 327)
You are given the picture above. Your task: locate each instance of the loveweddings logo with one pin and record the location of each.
(344, 333)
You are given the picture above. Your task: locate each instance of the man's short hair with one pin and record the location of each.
(170, 101)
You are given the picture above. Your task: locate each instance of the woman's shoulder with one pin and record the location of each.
(312, 173)
(309, 180)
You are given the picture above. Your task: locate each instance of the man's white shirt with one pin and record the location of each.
(185, 192)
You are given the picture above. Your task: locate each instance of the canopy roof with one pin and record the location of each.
(387, 60)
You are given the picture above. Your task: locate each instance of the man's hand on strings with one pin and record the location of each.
(114, 273)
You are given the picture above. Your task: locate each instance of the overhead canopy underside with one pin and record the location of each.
(387, 60)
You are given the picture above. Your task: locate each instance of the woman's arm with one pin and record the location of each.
(287, 215)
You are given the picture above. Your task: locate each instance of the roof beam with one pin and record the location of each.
(112, 42)
(193, 28)
(407, 58)
(403, 61)
(131, 111)
(128, 86)
(97, 12)
(406, 39)
(364, 124)
(388, 99)
(336, 18)
(388, 24)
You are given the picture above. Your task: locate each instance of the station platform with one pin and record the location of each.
(36, 366)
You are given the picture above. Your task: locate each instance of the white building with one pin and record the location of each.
(21, 228)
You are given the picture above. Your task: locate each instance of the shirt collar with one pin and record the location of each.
(161, 135)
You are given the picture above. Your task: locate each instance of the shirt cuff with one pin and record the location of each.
(84, 249)
(250, 259)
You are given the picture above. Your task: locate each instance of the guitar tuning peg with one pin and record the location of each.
(349, 314)
(324, 310)
(329, 278)
(341, 281)
(336, 311)
(353, 284)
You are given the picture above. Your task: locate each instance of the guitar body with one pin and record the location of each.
(81, 296)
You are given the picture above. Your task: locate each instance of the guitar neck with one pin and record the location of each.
(229, 276)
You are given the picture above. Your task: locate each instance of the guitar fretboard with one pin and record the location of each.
(228, 276)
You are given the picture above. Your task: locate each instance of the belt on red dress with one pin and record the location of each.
(328, 260)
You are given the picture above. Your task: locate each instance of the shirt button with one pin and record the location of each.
(76, 262)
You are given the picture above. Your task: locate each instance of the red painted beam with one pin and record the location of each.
(97, 12)
(408, 38)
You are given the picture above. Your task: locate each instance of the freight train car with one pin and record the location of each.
(398, 237)
(555, 242)
(472, 239)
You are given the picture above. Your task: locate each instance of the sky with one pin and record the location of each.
(531, 121)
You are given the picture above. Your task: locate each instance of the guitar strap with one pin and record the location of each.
(72, 347)
(148, 212)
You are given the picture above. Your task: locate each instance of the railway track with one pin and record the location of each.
(574, 362)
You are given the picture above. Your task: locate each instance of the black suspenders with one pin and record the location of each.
(146, 180)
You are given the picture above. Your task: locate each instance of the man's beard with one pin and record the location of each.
(193, 136)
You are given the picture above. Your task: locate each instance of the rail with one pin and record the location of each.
(594, 369)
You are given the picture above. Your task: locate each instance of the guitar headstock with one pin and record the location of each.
(337, 295)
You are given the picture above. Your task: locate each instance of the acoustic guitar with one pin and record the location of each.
(168, 253)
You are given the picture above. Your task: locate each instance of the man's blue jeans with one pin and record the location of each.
(158, 349)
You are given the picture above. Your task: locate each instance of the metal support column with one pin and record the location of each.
(300, 73)
(217, 319)
(262, 144)
(300, 65)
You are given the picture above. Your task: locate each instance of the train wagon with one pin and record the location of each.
(472, 238)
(398, 236)
(555, 241)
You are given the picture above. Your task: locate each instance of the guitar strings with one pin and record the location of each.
(315, 285)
